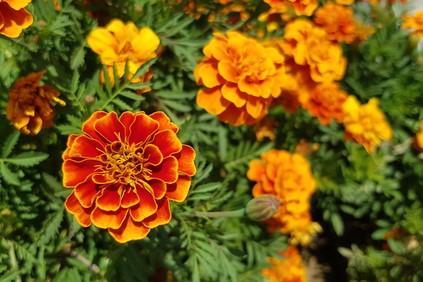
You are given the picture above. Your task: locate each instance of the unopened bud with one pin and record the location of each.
(262, 207)
(89, 99)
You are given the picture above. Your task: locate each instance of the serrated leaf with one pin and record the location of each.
(9, 176)
(27, 159)
(50, 228)
(121, 104)
(9, 144)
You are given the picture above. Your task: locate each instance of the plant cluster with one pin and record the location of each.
(224, 140)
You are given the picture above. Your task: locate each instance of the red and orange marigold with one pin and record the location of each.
(415, 23)
(325, 102)
(124, 171)
(241, 77)
(14, 17)
(288, 177)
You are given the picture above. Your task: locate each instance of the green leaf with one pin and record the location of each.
(337, 223)
(50, 228)
(9, 176)
(11, 276)
(9, 144)
(27, 159)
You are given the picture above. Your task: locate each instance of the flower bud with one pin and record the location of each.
(262, 207)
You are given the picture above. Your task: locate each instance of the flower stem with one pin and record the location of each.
(220, 214)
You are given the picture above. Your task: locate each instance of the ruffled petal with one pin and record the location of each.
(152, 155)
(158, 187)
(162, 215)
(88, 126)
(164, 121)
(129, 198)
(69, 144)
(145, 208)
(186, 160)
(130, 230)
(167, 171)
(86, 193)
(167, 142)
(83, 146)
(110, 127)
(178, 191)
(142, 128)
(75, 172)
(127, 118)
(109, 199)
(212, 101)
(81, 214)
(108, 219)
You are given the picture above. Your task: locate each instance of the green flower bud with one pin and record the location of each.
(262, 207)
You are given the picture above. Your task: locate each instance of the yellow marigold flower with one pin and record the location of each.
(309, 46)
(14, 17)
(414, 22)
(365, 124)
(288, 177)
(300, 7)
(338, 21)
(419, 137)
(119, 43)
(29, 107)
(325, 102)
(288, 269)
(241, 77)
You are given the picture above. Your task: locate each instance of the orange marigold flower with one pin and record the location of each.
(365, 124)
(119, 43)
(309, 46)
(56, 5)
(300, 7)
(14, 17)
(288, 177)
(288, 269)
(338, 21)
(325, 102)
(414, 22)
(124, 171)
(418, 141)
(241, 77)
(29, 107)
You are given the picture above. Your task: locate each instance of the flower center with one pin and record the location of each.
(124, 163)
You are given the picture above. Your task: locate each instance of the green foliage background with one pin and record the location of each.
(357, 192)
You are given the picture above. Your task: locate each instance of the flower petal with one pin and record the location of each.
(212, 100)
(81, 214)
(152, 154)
(142, 127)
(84, 146)
(109, 199)
(164, 121)
(75, 172)
(110, 127)
(166, 171)
(69, 144)
(108, 219)
(158, 187)
(145, 208)
(130, 230)
(127, 118)
(186, 160)
(88, 126)
(178, 191)
(162, 215)
(130, 198)
(167, 142)
(232, 93)
(86, 193)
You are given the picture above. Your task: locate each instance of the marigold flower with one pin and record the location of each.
(365, 124)
(325, 102)
(124, 171)
(14, 17)
(241, 77)
(301, 7)
(288, 269)
(56, 5)
(344, 2)
(414, 22)
(29, 107)
(119, 43)
(309, 46)
(418, 140)
(338, 21)
(288, 177)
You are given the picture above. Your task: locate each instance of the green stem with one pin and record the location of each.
(221, 214)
